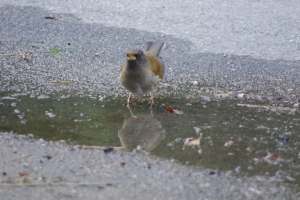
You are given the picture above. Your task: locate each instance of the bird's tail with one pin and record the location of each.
(155, 47)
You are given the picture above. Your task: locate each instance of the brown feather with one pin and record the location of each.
(155, 64)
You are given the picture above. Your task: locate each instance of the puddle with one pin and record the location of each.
(233, 137)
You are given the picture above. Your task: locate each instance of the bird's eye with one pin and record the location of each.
(127, 54)
(139, 55)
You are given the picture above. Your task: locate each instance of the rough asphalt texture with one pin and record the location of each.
(58, 171)
(248, 46)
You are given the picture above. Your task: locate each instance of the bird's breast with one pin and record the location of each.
(139, 82)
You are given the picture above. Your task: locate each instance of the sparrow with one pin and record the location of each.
(142, 71)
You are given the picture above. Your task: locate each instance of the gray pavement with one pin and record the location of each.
(36, 169)
(246, 46)
(261, 29)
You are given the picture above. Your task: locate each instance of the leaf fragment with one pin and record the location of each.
(170, 109)
(62, 82)
(188, 142)
(53, 51)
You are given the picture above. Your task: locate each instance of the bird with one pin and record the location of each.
(142, 71)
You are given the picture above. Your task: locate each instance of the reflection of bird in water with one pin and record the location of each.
(141, 130)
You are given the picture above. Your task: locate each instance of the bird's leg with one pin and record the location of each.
(129, 99)
(151, 103)
(132, 115)
(151, 112)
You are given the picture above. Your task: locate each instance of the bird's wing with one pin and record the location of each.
(156, 64)
(155, 47)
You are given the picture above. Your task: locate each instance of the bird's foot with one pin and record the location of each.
(128, 103)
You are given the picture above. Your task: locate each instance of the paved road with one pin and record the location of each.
(246, 45)
(261, 29)
(58, 171)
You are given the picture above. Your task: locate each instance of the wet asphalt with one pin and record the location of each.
(251, 47)
(92, 53)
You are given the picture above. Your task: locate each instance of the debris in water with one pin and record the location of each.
(21, 116)
(192, 142)
(51, 115)
(271, 159)
(43, 97)
(170, 109)
(229, 143)
(197, 129)
(17, 111)
(282, 139)
(178, 140)
(249, 148)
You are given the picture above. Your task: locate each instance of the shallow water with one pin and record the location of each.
(88, 121)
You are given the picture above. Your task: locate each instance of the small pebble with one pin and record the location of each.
(241, 95)
(43, 97)
(280, 138)
(139, 148)
(238, 169)
(82, 114)
(51, 115)
(14, 104)
(170, 144)
(195, 82)
(24, 121)
(108, 149)
(287, 133)
(229, 143)
(197, 129)
(290, 178)
(17, 111)
(21, 116)
(178, 139)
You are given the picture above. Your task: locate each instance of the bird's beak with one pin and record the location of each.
(130, 57)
